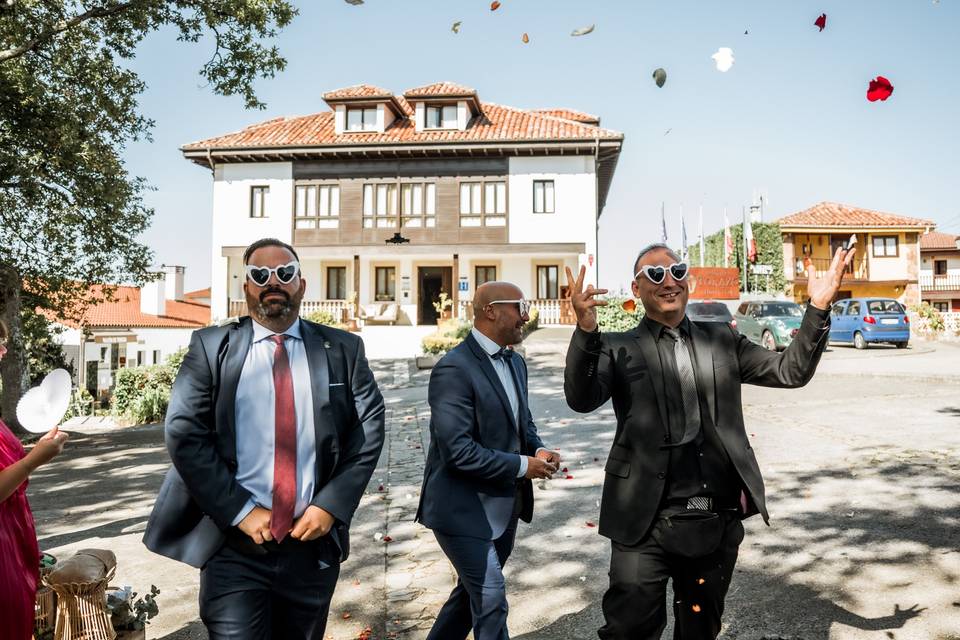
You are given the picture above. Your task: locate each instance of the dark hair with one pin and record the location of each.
(647, 249)
(4, 332)
(267, 242)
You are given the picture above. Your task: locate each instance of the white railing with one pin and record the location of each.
(334, 307)
(554, 311)
(951, 324)
(940, 283)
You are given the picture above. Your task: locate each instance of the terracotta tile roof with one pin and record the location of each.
(832, 214)
(199, 293)
(437, 89)
(357, 91)
(571, 114)
(497, 123)
(124, 311)
(938, 240)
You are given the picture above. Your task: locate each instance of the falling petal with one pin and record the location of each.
(660, 77)
(354, 2)
(582, 31)
(629, 305)
(569, 477)
(724, 59)
(525, 38)
(821, 21)
(378, 536)
(590, 524)
(346, 615)
(456, 26)
(879, 89)
(564, 470)
(494, 5)
(747, 32)
(668, 131)
(700, 581)
(696, 608)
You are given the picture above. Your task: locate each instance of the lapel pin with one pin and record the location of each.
(326, 344)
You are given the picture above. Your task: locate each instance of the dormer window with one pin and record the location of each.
(441, 116)
(362, 119)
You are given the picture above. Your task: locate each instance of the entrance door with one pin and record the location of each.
(431, 282)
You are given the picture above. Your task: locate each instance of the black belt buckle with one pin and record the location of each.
(700, 503)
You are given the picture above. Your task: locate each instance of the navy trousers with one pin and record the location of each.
(282, 593)
(479, 599)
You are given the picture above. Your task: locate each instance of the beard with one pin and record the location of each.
(275, 310)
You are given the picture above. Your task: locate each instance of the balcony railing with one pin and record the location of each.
(940, 283)
(334, 307)
(551, 311)
(857, 270)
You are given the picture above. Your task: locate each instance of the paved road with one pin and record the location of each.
(862, 474)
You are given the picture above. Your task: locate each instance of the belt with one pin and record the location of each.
(239, 541)
(703, 503)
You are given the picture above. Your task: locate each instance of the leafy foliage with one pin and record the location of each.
(44, 353)
(131, 613)
(929, 316)
(614, 318)
(769, 251)
(141, 394)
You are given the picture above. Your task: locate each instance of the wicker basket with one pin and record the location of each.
(81, 610)
(45, 607)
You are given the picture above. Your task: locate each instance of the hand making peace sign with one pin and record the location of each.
(584, 301)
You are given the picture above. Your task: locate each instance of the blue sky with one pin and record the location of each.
(790, 117)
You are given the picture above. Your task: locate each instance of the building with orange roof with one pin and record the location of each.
(393, 199)
(133, 326)
(887, 262)
(940, 270)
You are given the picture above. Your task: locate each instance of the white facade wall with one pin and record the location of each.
(233, 226)
(575, 204)
(926, 264)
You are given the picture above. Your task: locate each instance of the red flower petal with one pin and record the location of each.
(569, 477)
(380, 488)
(821, 21)
(879, 89)
(387, 539)
(564, 469)
(494, 6)
(525, 38)
(590, 524)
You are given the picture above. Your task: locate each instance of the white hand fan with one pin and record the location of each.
(41, 408)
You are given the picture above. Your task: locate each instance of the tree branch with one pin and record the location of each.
(63, 25)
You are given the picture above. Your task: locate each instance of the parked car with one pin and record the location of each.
(864, 320)
(710, 311)
(770, 323)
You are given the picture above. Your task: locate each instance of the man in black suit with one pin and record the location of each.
(274, 428)
(681, 474)
(484, 452)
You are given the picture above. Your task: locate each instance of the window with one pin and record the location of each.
(853, 309)
(386, 284)
(441, 117)
(838, 308)
(258, 202)
(336, 283)
(884, 306)
(418, 204)
(379, 206)
(547, 282)
(317, 206)
(543, 196)
(939, 267)
(941, 305)
(362, 119)
(141, 356)
(156, 356)
(885, 246)
(484, 274)
(483, 204)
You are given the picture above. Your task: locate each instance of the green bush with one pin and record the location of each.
(613, 317)
(934, 320)
(324, 317)
(176, 359)
(533, 323)
(141, 394)
(81, 404)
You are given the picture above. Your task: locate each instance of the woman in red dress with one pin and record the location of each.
(20, 556)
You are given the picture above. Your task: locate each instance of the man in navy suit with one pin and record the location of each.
(484, 452)
(274, 427)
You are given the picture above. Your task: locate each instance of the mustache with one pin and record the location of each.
(263, 296)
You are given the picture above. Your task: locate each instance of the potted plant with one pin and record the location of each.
(444, 306)
(129, 614)
(350, 312)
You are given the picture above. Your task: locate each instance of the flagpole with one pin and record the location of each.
(743, 232)
(701, 234)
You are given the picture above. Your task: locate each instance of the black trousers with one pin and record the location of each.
(634, 606)
(282, 593)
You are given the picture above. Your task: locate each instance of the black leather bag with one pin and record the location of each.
(692, 533)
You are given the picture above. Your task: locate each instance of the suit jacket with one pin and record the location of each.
(626, 367)
(470, 479)
(200, 495)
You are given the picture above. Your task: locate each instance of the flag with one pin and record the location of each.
(701, 235)
(727, 240)
(750, 245)
(683, 239)
(663, 225)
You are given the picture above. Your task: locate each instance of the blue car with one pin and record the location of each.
(864, 320)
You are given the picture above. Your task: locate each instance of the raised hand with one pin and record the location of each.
(822, 289)
(584, 303)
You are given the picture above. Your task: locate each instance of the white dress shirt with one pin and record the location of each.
(506, 380)
(255, 413)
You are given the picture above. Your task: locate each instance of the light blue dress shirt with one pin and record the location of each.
(255, 407)
(506, 379)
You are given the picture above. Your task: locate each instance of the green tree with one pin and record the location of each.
(70, 213)
(769, 251)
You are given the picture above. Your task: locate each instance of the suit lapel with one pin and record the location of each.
(648, 349)
(316, 349)
(520, 384)
(239, 339)
(492, 376)
(702, 347)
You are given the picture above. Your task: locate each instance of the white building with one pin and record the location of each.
(940, 270)
(138, 326)
(473, 191)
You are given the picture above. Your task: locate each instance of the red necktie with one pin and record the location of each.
(285, 444)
